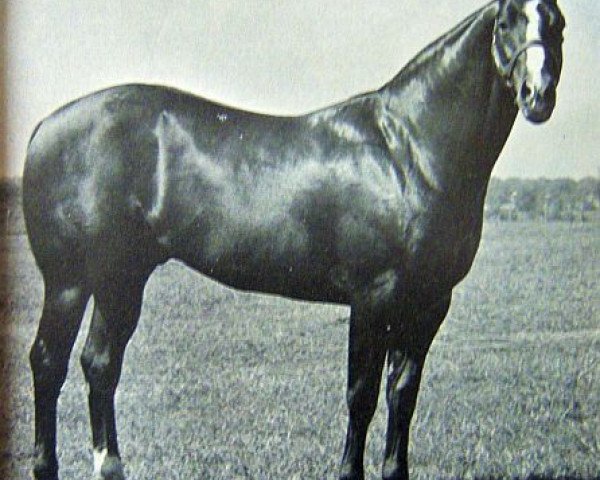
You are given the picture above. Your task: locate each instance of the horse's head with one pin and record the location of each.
(527, 49)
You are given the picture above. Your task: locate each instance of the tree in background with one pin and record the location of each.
(551, 200)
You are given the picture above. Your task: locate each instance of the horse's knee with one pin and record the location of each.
(403, 382)
(362, 402)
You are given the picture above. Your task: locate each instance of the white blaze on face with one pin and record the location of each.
(535, 55)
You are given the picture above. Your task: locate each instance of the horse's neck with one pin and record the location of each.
(453, 106)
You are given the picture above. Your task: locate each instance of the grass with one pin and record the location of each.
(219, 384)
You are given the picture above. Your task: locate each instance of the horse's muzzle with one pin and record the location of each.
(537, 101)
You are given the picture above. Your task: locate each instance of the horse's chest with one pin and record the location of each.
(441, 243)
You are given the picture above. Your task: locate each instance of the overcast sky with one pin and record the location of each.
(277, 56)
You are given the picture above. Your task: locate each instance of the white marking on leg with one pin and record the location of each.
(99, 457)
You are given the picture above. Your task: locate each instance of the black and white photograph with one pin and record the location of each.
(290, 240)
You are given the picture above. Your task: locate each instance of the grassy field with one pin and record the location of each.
(219, 384)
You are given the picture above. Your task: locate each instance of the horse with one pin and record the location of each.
(375, 203)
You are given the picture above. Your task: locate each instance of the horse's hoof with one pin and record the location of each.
(112, 469)
(45, 475)
(352, 476)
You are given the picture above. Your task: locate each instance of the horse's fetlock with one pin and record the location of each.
(351, 474)
(392, 470)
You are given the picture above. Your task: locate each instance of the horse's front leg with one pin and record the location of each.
(366, 355)
(408, 348)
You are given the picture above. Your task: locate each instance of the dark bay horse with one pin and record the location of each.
(375, 203)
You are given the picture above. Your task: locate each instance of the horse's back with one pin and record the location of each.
(95, 177)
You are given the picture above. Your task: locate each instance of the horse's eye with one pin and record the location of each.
(503, 25)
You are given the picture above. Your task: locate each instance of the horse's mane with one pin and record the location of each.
(436, 48)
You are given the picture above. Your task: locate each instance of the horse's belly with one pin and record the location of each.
(278, 257)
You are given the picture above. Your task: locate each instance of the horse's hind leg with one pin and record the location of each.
(64, 304)
(116, 313)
